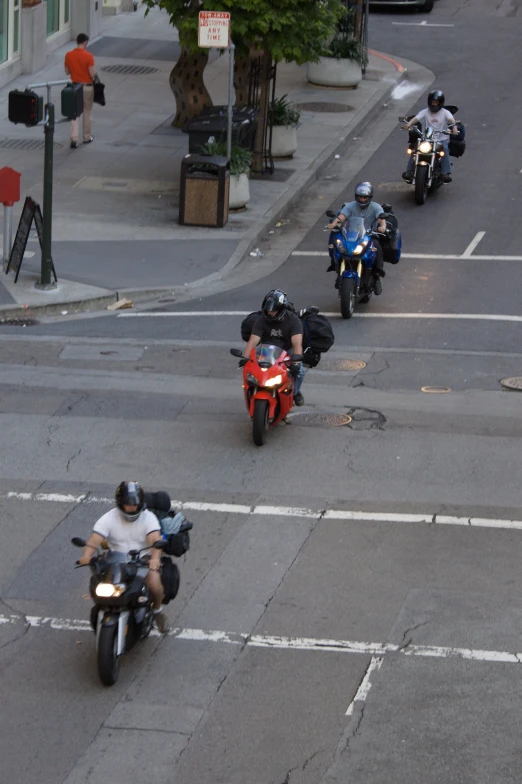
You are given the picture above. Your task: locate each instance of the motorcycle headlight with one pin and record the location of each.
(339, 243)
(252, 379)
(108, 590)
(274, 382)
(425, 146)
(359, 249)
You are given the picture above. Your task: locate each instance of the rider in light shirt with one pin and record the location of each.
(438, 118)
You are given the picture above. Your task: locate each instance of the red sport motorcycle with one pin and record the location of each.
(268, 382)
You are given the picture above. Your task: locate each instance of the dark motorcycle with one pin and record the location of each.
(428, 153)
(122, 612)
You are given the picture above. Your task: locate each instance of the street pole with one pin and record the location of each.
(8, 233)
(231, 49)
(47, 211)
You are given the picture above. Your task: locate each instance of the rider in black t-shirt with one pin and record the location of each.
(278, 326)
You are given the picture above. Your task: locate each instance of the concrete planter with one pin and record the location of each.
(284, 141)
(331, 72)
(239, 192)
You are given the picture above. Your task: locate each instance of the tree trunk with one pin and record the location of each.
(241, 79)
(264, 99)
(186, 82)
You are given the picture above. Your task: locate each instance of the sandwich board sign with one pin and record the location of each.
(214, 29)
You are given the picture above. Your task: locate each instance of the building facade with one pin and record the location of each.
(30, 30)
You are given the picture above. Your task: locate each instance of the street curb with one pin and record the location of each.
(77, 306)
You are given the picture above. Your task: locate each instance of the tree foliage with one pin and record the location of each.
(291, 30)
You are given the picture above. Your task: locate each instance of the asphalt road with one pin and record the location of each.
(351, 606)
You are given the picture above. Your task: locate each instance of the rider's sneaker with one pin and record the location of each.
(299, 399)
(377, 286)
(161, 621)
(331, 268)
(446, 178)
(408, 176)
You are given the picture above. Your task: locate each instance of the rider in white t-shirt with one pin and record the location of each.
(132, 527)
(438, 118)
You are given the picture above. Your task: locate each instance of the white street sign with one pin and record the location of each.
(214, 29)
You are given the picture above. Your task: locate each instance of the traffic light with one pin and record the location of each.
(25, 107)
(72, 101)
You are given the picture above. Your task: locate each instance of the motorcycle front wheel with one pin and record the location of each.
(347, 297)
(108, 659)
(260, 422)
(421, 184)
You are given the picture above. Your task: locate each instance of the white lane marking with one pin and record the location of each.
(421, 24)
(473, 244)
(450, 316)
(366, 684)
(375, 649)
(437, 256)
(288, 511)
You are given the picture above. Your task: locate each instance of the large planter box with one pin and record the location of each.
(239, 193)
(284, 141)
(331, 72)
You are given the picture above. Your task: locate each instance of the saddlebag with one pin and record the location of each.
(170, 579)
(318, 338)
(247, 325)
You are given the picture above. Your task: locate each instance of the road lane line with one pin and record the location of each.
(362, 692)
(347, 515)
(473, 244)
(332, 315)
(437, 256)
(374, 649)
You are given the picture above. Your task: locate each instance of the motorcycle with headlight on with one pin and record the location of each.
(122, 612)
(427, 155)
(268, 383)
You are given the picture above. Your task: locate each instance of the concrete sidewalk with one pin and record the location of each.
(115, 204)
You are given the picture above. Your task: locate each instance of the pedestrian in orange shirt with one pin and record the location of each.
(79, 65)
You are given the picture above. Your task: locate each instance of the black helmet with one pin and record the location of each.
(364, 194)
(436, 101)
(275, 301)
(130, 494)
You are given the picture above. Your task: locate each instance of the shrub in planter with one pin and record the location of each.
(284, 118)
(240, 165)
(340, 64)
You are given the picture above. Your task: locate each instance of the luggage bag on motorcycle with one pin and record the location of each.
(318, 338)
(247, 325)
(170, 579)
(457, 145)
(177, 542)
(391, 242)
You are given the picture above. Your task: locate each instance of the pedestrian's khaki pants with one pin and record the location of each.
(88, 96)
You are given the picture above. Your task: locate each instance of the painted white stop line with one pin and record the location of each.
(331, 315)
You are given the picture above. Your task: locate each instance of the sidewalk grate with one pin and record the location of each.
(130, 70)
(324, 106)
(25, 144)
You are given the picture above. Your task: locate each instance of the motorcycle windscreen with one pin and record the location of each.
(354, 229)
(268, 354)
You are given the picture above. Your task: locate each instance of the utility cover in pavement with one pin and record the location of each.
(324, 106)
(318, 419)
(515, 382)
(25, 144)
(130, 70)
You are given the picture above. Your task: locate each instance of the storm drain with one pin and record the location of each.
(515, 383)
(18, 322)
(25, 144)
(130, 70)
(324, 106)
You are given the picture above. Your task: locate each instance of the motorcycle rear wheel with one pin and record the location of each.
(347, 293)
(260, 422)
(421, 184)
(108, 659)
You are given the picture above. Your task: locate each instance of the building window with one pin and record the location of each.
(58, 15)
(16, 27)
(4, 30)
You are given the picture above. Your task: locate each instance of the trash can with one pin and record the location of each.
(213, 121)
(204, 190)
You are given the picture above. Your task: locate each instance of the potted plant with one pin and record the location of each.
(340, 65)
(284, 119)
(240, 165)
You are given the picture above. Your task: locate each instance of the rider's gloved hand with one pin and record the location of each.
(242, 362)
(294, 369)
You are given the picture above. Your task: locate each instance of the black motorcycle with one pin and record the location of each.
(427, 155)
(122, 612)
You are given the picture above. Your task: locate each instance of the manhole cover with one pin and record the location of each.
(324, 106)
(25, 144)
(435, 390)
(130, 70)
(18, 322)
(317, 419)
(328, 363)
(515, 382)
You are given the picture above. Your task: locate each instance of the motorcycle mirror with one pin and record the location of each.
(159, 544)
(452, 108)
(387, 208)
(330, 214)
(403, 119)
(77, 541)
(236, 352)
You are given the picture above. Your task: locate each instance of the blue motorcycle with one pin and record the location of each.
(353, 252)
